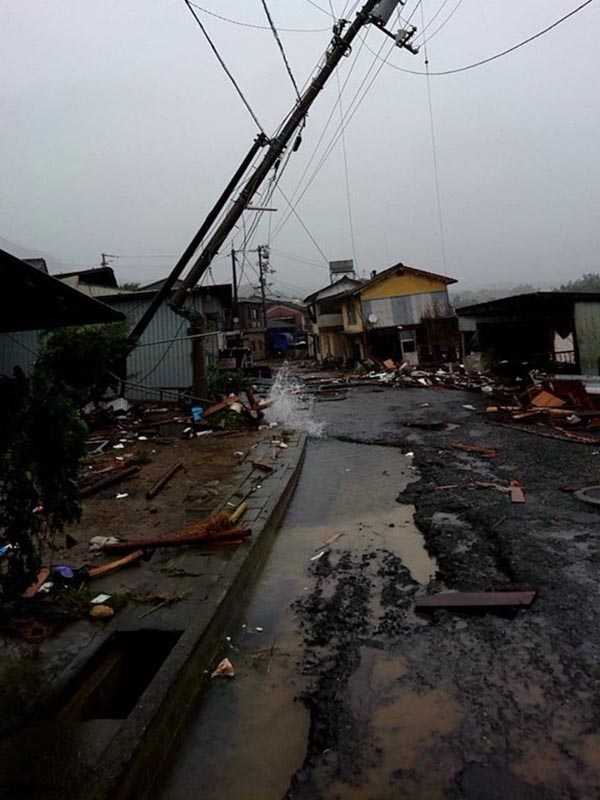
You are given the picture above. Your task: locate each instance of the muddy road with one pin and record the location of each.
(343, 691)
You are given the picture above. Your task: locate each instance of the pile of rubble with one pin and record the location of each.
(564, 408)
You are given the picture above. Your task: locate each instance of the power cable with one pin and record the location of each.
(257, 27)
(280, 46)
(294, 211)
(336, 136)
(224, 65)
(320, 139)
(312, 2)
(434, 152)
(433, 18)
(441, 25)
(501, 54)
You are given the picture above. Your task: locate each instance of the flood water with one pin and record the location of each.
(249, 734)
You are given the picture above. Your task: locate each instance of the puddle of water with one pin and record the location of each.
(249, 735)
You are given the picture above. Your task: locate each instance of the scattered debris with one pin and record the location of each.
(163, 480)
(224, 669)
(114, 566)
(100, 599)
(318, 556)
(101, 612)
(115, 477)
(486, 452)
(330, 541)
(475, 600)
(35, 587)
(516, 491)
(122, 495)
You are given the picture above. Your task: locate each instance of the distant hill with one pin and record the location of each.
(53, 264)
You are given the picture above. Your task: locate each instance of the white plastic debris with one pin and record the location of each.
(121, 495)
(469, 407)
(142, 438)
(283, 445)
(99, 599)
(409, 455)
(99, 542)
(318, 556)
(259, 630)
(118, 446)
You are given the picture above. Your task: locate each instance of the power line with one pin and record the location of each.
(433, 18)
(225, 67)
(301, 221)
(280, 46)
(336, 136)
(312, 2)
(434, 152)
(441, 25)
(257, 27)
(496, 55)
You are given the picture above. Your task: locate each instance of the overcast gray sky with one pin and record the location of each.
(120, 130)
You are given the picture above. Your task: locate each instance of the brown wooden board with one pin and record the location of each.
(475, 600)
(113, 566)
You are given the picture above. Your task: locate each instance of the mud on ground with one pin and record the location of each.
(452, 704)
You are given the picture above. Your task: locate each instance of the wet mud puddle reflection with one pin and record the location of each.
(250, 735)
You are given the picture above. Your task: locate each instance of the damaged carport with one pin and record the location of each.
(551, 330)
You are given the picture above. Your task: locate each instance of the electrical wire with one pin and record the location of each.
(440, 26)
(312, 2)
(165, 354)
(319, 141)
(294, 211)
(434, 153)
(351, 110)
(281, 48)
(225, 67)
(433, 18)
(501, 54)
(257, 27)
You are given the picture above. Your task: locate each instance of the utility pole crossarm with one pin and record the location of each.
(340, 45)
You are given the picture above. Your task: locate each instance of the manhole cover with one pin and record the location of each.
(591, 495)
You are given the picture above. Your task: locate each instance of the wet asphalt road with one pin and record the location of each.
(346, 692)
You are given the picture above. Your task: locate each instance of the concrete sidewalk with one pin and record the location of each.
(102, 703)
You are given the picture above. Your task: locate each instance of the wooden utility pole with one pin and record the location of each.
(234, 281)
(377, 12)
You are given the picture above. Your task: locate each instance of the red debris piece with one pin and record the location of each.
(516, 491)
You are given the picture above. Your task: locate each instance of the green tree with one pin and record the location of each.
(589, 282)
(131, 286)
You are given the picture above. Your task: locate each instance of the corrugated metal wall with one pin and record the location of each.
(153, 365)
(406, 309)
(587, 329)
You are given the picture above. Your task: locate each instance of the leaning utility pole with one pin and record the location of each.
(234, 280)
(377, 12)
(263, 268)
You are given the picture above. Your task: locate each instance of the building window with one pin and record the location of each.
(352, 314)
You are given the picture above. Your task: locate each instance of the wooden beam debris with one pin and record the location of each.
(163, 480)
(476, 600)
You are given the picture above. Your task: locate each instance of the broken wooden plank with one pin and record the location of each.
(546, 399)
(330, 541)
(476, 600)
(207, 537)
(114, 566)
(110, 480)
(262, 466)
(32, 590)
(220, 406)
(516, 491)
(162, 481)
(486, 452)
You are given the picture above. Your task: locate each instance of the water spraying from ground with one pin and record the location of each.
(289, 405)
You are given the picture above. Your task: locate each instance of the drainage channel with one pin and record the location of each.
(249, 736)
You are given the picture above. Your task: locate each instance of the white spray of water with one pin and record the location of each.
(289, 407)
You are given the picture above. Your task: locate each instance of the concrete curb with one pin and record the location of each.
(131, 762)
